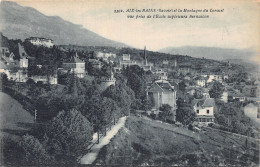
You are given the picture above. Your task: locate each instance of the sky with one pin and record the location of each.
(237, 26)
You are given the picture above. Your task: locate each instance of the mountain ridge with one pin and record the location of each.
(216, 53)
(20, 22)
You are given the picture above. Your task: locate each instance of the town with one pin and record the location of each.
(98, 86)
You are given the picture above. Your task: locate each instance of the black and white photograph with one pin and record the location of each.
(130, 83)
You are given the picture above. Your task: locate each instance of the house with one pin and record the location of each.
(126, 57)
(250, 91)
(236, 95)
(165, 62)
(75, 65)
(126, 61)
(160, 74)
(38, 41)
(184, 69)
(200, 81)
(204, 109)
(162, 92)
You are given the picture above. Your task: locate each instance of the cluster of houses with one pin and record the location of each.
(162, 90)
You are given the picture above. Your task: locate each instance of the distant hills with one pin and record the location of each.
(18, 22)
(211, 52)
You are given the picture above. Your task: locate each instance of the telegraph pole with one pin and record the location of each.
(35, 115)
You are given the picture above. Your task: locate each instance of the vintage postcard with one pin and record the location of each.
(129, 82)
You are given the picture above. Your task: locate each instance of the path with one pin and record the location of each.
(92, 155)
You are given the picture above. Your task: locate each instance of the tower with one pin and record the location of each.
(145, 56)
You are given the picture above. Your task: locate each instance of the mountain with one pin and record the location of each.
(18, 22)
(211, 52)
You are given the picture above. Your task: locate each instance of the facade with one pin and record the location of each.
(75, 65)
(40, 41)
(162, 92)
(160, 74)
(204, 109)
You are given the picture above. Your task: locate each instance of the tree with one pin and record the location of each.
(184, 113)
(182, 86)
(217, 90)
(166, 112)
(34, 151)
(69, 134)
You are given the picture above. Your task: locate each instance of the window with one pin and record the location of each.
(207, 111)
(198, 111)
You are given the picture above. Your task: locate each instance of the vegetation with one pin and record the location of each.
(184, 113)
(217, 90)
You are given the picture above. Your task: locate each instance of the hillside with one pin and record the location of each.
(18, 22)
(145, 142)
(14, 119)
(210, 52)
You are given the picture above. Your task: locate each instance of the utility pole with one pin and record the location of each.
(35, 115)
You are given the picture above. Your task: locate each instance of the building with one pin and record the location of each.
(200, 81)
(204, 109)
(213, 77)
(160, 74)
(105, 56)
(108, 81)
(237, 96)
(45, 79)
(162, 92)
(126, 57)
(23, 57)
(38, 41)
(250, 91)
(75, 65)
(95, 63)
(184, 69)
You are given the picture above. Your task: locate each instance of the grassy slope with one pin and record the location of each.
(149, 142)
(14, 118)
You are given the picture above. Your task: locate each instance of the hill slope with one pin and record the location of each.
(210, 52)
(12, 114)
(18, 22)
(144, 142)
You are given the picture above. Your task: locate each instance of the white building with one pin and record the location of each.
(200, 81)
(40, 41)
(160, 74)
(204, 109)
(213, 77)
